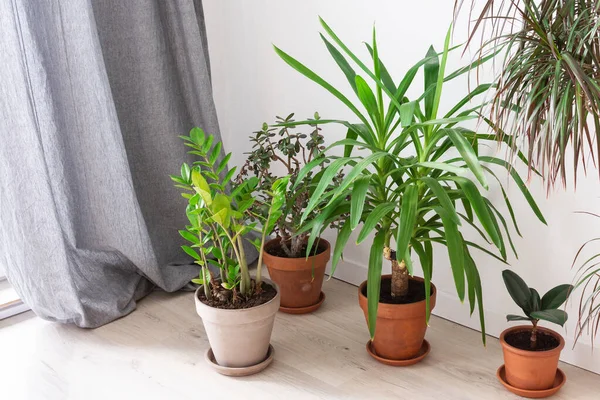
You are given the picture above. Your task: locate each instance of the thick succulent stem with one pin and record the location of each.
(399, 274)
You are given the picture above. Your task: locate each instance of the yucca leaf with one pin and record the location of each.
(468, 155)
(408, 217)
(357, 201)
(374, 280)
(298, 66)
(340, 243)
(479, 206)
(442, 196)
(455, 245)
(341, 62)
(379, 212)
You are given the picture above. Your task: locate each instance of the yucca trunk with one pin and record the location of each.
(399, 274)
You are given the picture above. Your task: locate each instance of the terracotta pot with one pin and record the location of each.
(299, 279)
(239, 338)
(531, 370)
(400, 328)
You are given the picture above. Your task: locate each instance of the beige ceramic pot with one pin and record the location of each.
(239, 338)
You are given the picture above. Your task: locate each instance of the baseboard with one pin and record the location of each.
(449, 307)
(12, 308)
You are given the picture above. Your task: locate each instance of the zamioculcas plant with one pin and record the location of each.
(219, 219)
(219, 222)
(535, 308)
(548, 93)
(417, 180)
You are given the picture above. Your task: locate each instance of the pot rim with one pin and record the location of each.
(278, 239)
(237, 310)
(531, 353)
(415, 278)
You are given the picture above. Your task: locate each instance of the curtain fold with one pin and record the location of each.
(94, 96)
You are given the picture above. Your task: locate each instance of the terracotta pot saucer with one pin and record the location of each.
(559, 381)
(425, 348)
(304, 310)
(244, 371)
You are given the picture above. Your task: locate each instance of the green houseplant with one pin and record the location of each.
(548, 96)
(588, 280)
(298, 272)
(531, 353)
(407, 186)
(238, 311)
(548, 93)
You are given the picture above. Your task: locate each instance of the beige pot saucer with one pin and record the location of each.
(242, 371)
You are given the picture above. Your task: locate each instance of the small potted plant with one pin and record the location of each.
(531, 353)
(295, 262)
(238, 311)
(410, 179)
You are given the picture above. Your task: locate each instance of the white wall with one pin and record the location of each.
(251, 85)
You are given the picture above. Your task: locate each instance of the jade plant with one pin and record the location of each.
(286, 148)
(535, 308)
(418, 179)
(220, 222)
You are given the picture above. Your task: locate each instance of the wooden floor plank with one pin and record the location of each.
(157, 353)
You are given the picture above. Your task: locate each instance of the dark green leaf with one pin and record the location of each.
(555, 297)
(518, 290)
(555, 316)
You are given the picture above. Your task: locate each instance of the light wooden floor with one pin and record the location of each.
(157, 353)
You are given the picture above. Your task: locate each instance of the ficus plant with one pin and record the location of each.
(535, 308)
(287, 148)
(220, 221)
(419, 178)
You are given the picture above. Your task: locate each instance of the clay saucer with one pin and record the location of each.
(559, 381)
(425, 348)
(304, 310)
(242, 371)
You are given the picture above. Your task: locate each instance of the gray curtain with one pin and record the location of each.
(94, 96)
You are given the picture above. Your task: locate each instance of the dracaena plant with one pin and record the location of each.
(290, 148)
(548, 93)
(407, 185)
(535, 308)
(220, 220)
(588, 279)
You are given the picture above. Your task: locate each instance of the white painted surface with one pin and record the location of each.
(252, 85)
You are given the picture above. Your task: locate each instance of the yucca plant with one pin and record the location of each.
(407, 185)
(548, 94)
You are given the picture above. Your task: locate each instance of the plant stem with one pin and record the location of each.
(206, 284)
(399, 287)
(260, 253)
(534, 334)
(245, 274)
